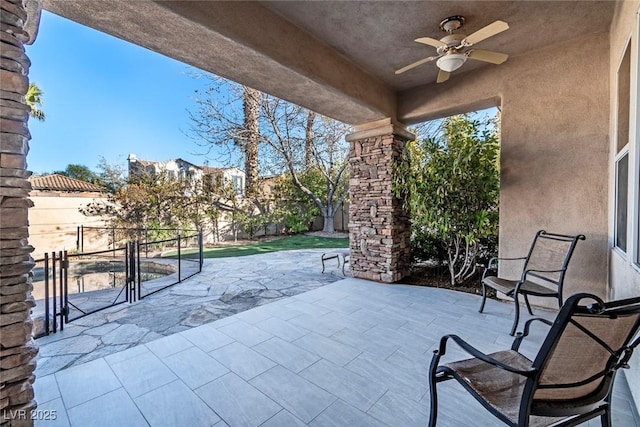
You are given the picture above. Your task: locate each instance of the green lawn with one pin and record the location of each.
(299, 241)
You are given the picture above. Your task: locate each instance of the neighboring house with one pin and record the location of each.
(180, 169)
(55, 217)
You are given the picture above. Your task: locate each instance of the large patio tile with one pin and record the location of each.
(286, 354)
(283, 419)
(297, 395)
(430, 331)
(168, 345)
(365, 302)
(143, 374)
(130, 353)
(339, 414)
(56, 412)
(452, 397)
(237, 402)
(392, 377)
(283, 311)
(254, 315)
(46, 389)
(242, 360)
(339, 304)
(354, 389)
(207, 338)
(245, 333)
(175, 404)
(381, 350)
(82, 383)
(415, 313)
(379, 318)
(116, 409)
(306, 307)
(282, 329)
(402, 338)
(414, 362)
(396, 410)
(310, 297)
(327, 348)
(223, 322)
(195, 367)
(319, 324)
(358, 325)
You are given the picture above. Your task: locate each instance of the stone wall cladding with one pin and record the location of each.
(17, 349)
(379, 228)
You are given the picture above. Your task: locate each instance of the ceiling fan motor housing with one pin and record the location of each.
(452, 41)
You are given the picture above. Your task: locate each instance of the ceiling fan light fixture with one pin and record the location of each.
(451, 61)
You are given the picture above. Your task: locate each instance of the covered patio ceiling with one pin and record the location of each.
(335, 57)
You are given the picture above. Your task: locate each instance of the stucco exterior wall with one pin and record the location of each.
(54, 219)
(555, 145)
(624, 277)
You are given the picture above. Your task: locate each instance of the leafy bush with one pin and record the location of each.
(450, 186)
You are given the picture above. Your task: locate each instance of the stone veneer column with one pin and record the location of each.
(378, 225)
(17, 349)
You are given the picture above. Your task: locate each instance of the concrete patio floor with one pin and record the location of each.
(351, 353)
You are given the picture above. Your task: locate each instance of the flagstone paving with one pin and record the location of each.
(225, 286)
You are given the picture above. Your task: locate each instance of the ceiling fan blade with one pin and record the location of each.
(486, 32)
(431, 42)
(443, 76)
(488, 56)
(415, 64)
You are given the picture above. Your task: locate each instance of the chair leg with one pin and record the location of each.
(517, 315)
(526, 300)
(484, 297)
(605, 419)
(433, 413)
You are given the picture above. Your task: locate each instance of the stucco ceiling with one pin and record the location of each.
(379, 36)
(335, 57)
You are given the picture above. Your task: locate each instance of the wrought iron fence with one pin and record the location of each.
(88, 238)
(68, 286)
(187, 259)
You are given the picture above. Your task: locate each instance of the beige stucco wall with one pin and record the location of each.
(54, 219)
(555, 144)
(624, 277)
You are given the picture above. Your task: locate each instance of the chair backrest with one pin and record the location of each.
(550, 252)
(584, 348)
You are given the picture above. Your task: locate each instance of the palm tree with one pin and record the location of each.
(33, 99)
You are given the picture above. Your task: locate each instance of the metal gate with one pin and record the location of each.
(68, 287)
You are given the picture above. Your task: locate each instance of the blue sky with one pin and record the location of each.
(106, 97)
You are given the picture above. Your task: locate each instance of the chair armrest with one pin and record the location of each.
(527, 327)
(479, 355)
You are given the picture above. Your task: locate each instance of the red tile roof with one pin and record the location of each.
(63, 183)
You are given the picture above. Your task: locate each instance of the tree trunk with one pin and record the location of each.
(308, 147)
(251, 102)
(327, 214)
(328, 224)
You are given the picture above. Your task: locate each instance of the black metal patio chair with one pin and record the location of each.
(542, 274)
(569, 381)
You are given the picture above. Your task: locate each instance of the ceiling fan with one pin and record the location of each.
(454, 48)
